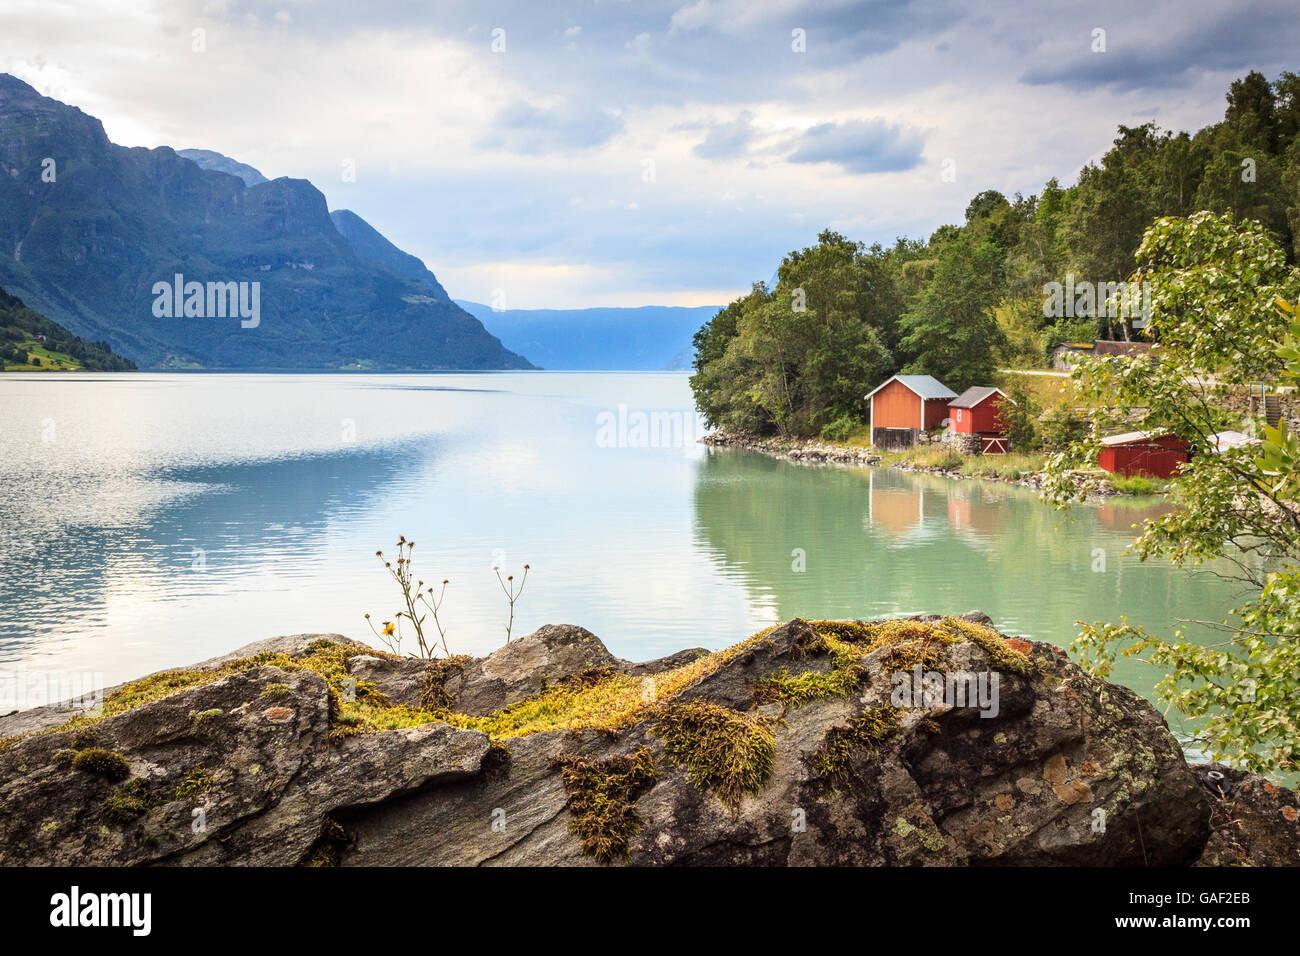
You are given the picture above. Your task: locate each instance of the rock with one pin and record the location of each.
(1255, 823)
(263, 765)
(523, 667)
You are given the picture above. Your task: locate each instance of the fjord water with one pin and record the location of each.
(153, 520)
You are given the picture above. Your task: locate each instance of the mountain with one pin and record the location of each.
(209, 159)
(648, 338)
(93, 235)
(366, 241)
(30, 341)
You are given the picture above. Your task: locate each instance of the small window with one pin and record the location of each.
(959, 414)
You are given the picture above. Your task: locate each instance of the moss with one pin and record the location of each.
(1000, 653)
(127, 803)
(833, 762)
(434, 695)
(601, 798)
(276, 691)
(588, 678)
(726, 752)
(201, 717)
(105, 763)
(63, 756)
(7, 742)
(799, 689)
(197, 781)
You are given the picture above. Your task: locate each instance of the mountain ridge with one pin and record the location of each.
(89, 231)
(630, 339)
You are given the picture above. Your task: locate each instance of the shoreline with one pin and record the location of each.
(814, 450)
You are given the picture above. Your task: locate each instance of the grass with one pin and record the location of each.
(1136, 484)
(1013, 466)
(50, 361)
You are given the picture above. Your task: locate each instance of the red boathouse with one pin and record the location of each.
(906, 405)
(976, 412)
(1143, 453)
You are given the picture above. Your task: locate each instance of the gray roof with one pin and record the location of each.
(974, 395)
(927, 386)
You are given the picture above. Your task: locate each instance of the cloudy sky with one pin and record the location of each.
(609, 152)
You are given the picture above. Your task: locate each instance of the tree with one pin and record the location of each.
(1222, 302)
(950, 332)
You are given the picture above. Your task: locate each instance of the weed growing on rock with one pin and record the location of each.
(511, 593)
(419, 603)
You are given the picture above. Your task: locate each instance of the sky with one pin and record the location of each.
(581, 153)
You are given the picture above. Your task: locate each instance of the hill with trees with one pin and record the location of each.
(795, 355)
(31, 342)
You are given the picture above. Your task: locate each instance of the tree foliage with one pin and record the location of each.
(971, 298)
(1222, 308)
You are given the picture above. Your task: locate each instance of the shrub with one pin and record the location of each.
(840, 429)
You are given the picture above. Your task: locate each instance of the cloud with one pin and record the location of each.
(728, 139)
(1177, 55)
(528, 130)
(861, 146)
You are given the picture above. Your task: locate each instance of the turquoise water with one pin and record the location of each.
(153, 520)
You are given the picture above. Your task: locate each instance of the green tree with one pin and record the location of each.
(1216, 284)
(950, 332)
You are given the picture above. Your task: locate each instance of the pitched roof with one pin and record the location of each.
(927, 386)
(1129, 438)
(974, 395)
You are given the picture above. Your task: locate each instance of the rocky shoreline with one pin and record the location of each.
(815, 450)
(793, 747)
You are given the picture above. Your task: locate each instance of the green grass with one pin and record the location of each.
(1013, 466)
(50, 361)
(1137, 484)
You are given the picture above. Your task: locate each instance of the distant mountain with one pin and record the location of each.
(93, 235)
(648, 338)
(208, 159)
(29, 341)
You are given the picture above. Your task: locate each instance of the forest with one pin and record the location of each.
(797, 358)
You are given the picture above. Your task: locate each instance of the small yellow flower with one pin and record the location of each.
(388, 629)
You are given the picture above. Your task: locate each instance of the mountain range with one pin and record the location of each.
(95, 235)
(648, 338)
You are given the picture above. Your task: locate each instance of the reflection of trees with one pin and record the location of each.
(882, 541)
(241, 509)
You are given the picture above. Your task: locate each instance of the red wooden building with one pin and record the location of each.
(976, 411)
(1143, 453)
(906, 405)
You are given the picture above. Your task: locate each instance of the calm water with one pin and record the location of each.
(148, 521)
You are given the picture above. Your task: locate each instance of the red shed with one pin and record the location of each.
(976, 412)
(905, 405)
(1152, 454)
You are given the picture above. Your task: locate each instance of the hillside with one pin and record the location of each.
(31, 342)
(648, 338)
(92, 240)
